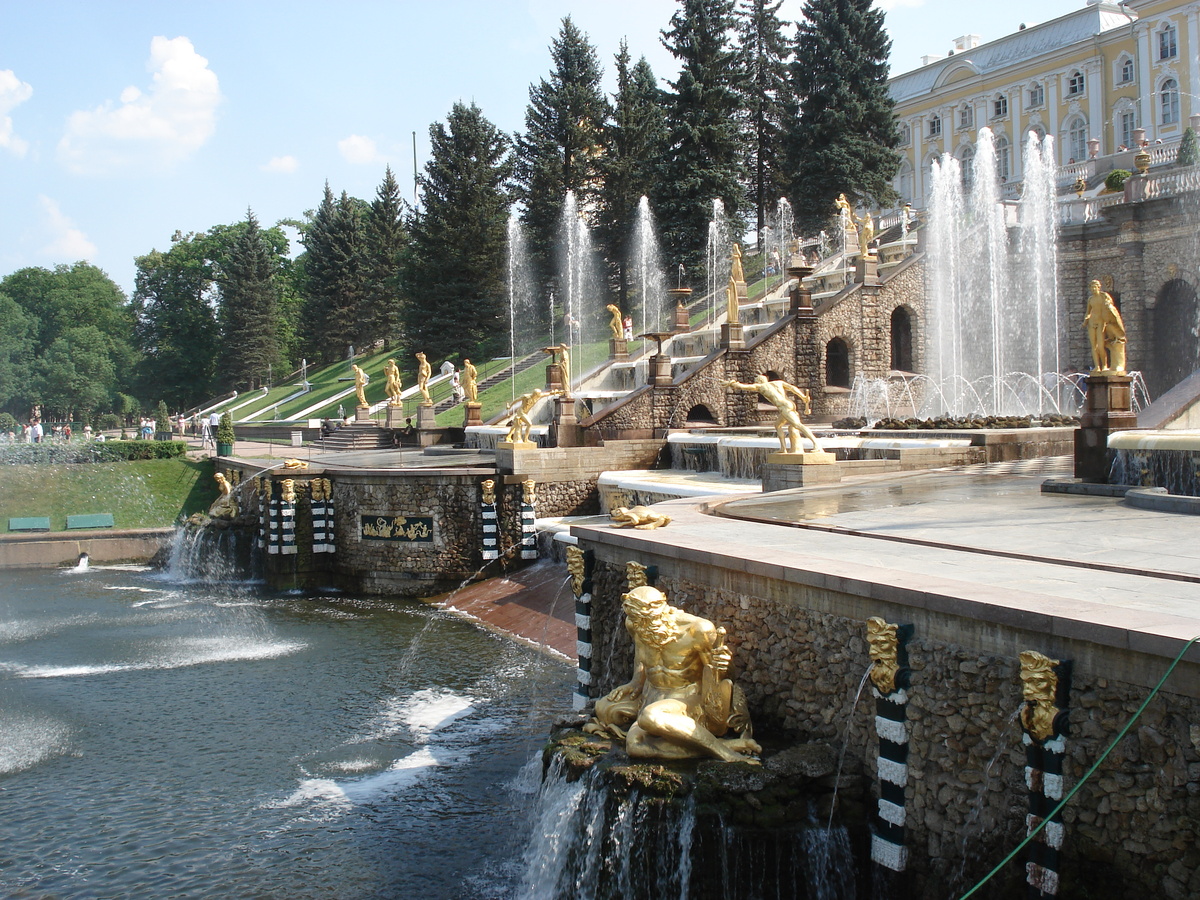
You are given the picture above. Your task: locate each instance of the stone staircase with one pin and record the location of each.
(525, 362)
(358, 436)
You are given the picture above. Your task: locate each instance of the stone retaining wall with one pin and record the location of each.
(137, 545)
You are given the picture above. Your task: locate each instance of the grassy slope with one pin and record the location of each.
(143, 494)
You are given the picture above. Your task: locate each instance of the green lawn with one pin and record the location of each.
(142, 494)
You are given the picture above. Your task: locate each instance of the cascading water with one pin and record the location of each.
(520, 298)
(994, 312)
(579, 281)
(648, 277)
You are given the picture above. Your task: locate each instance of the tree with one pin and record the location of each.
(174, 306)
(703, 160)
(842, 136)
(563, 144)
(455, 265)
(635, 137)
(1188, 153)
(76, 374)
(386, 238)
(335, 270)
(249, 311)
(763, 50)
(16, 354)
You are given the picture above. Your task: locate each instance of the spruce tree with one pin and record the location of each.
(635, 138)
(335, 269)
(385, 237)
(563, 144)
(249, 310)
(703, 160)
(764, 51)
(843, 135)
(455, 262)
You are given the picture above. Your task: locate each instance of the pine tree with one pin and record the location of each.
(455, 263)
(562, 147)
(703, 160)
(764, 51)
(336, 279)
(635, 138)
(843, 134)
(386, 238)
(249, 310)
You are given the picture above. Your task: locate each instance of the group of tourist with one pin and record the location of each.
(37, 433)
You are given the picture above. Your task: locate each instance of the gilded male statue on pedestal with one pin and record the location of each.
(361, 380)
(393, 388)
(678, 704)
(424, 371)
(1106, 332)
(789, 423)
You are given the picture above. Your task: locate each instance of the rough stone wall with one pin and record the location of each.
(566, 476)
(1134, 824)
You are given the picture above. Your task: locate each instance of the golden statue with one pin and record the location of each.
(489, 492)
(731, 303)
(866, 234)
(1106, 332)
(639, 517)
(470, 381)
(635, 575)
(884, 648)
(789, 422)
(289, 491)
(529, 491)
(424, 371)
(361, 380)
(394, 389)
(577, 567)
(292, 463)
(1039, 685)
(735, 265)
(678, 704)
(616, 323)
(843, 206)
(562, 356)
(225, 506)
(518, 415)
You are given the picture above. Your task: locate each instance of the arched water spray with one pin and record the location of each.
(519, 293)
(1039, 248)
(784, 234)
(647, 271)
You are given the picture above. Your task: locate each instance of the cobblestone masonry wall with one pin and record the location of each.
(802, 665)
(566, 476)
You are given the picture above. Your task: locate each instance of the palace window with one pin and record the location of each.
(935, 126)
(1126, 70)
(967, 160)
(1000, 107)
(1127, 123)
(1168, 44)
(966, 117)
(1003, 159)
(1077, 140)
(905, 134)
(1037, 96)
(1168, 98)
(1075, 83)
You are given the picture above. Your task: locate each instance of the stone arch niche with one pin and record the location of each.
(701, 413)
(837, 363)
(1175, 323)
(902, 340)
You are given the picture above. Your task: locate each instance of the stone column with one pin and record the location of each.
(564, 427)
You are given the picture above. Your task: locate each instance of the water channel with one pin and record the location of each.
(160, 738)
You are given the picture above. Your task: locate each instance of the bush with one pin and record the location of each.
(225, 434)
(108, 422)
(162, 419)
(7, 422)
(1189, 149)
(113, 451)
(1115, 181)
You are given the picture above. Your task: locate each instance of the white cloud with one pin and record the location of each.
(283, 165)
(359, 150)
(156, 128)
(13, 92)
(65, 242)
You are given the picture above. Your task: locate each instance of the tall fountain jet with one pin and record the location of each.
(581, 293)
(520, 295)
(993, 345)
(717, 255)
(648, 279)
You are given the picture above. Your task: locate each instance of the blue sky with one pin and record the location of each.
(123, 121)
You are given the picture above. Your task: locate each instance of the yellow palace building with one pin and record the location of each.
(1100, 80)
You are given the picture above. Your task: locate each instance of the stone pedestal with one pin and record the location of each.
(564, 427)
(1108, 407)
(803, 458)
(791, 472)
(866, 269)
(395, 417)
(618, 349)
(426, 418)
(473, 417)
(554, 378)
(516, 445)
(362, 414)
(731, 336)
(800, 297)
(682, 322)
(660, 370)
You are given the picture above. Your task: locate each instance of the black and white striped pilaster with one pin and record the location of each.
(264, 509)
(274, 533)
(1044, 780)
(491, 530)
(287, 527)
(317, 508)
(528, 532)
(330, 530)
(891, 725)
(583, 631)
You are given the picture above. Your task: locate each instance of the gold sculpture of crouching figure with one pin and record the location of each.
(679, 704)
(640, 517)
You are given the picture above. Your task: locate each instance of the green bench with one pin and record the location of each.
(94, 520)
(29, 523)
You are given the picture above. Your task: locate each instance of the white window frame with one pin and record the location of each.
(1000, 107)
(1168, 42)
(1076, 84)
(1168, 102)
(1036, 95)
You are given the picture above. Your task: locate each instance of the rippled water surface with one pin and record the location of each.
(160, 739)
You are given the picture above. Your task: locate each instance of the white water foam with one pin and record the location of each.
(420, 713)
(25, 742)
(176, 655)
